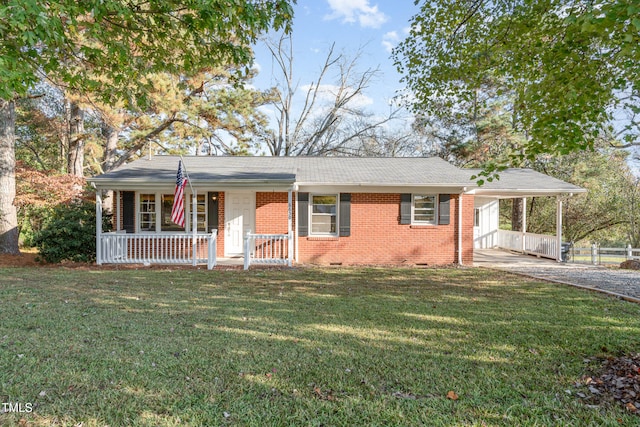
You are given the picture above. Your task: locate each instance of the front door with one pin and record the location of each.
(238, 220)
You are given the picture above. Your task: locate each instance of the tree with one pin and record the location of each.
(604, 214)
(479, 132)
(329, 119)
(211, 111)
(89, 42)
(571, 67)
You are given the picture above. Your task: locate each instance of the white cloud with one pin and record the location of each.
(389, 40)
(357, 11)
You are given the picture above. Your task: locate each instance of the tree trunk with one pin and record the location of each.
(8, 212)
(516, 215)
(75, 164)
(111, 146)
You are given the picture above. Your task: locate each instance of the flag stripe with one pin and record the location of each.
(177, 211)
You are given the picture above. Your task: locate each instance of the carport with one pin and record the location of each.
(518, 184)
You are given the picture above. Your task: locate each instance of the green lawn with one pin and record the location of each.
(327, 347)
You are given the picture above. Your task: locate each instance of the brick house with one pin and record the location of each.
(308, 210)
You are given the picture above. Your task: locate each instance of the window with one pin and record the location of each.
(476, 217)
(158, 206)
(202, 212)
(424, 209)
(324, 210)
(147, 212)
(167, 205)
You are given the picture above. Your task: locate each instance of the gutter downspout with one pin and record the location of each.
(460, 226)
(289, 227)
(295, 225)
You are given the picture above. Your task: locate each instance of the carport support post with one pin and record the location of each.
(524, 225)
(559, 228)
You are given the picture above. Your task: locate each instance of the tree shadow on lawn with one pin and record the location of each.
(325, 346)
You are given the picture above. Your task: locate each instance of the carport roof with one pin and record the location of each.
(513, 183)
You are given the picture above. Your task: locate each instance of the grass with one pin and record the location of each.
(332, 347)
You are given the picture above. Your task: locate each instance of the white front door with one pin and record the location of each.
(239, 213)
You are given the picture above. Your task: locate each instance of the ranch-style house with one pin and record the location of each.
(314, 210)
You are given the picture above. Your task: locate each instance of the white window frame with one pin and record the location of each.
(140, 212)
(202, 214)
(436, 200)
(312, 214)
(202, 222)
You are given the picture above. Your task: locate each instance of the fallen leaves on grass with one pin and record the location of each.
(451, 395)
(618, 380)
(323, 394)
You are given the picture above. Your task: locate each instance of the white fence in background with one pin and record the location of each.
(164, 248)
(597, 255)
(529, 243)
(267, 249)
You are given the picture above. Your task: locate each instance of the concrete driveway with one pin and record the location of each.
(623, 284)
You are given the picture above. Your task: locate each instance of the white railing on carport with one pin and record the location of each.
(541, 245)
(529, 243)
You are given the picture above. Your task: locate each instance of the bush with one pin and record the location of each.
(69, 233)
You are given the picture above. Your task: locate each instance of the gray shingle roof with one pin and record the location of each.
(335, 171)
(303, 170)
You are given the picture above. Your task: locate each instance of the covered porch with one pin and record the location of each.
(193, 245)
(224, 213)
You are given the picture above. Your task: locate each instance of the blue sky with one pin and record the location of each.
(372, 26)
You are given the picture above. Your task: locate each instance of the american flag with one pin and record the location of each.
(177, 212)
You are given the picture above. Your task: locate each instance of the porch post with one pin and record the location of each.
(290, 227)
(117, 196)
(524, 225)
(559, 228)
(194, 226)
(98, 227)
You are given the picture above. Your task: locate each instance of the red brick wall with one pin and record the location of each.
(271, 213)
(376, 234)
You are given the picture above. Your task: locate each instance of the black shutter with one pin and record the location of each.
(212, 207)
(405, 208)
(444, 209)
(303, 214)
(345, 214)
(129, 211)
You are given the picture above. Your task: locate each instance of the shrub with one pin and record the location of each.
(69, 233)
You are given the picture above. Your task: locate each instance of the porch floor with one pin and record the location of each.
(233, 261)
(501, 258)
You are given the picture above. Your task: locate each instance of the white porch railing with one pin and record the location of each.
(166, 248)
(267, 249)
(529, 243)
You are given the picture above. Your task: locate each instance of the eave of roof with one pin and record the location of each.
(520, 182)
